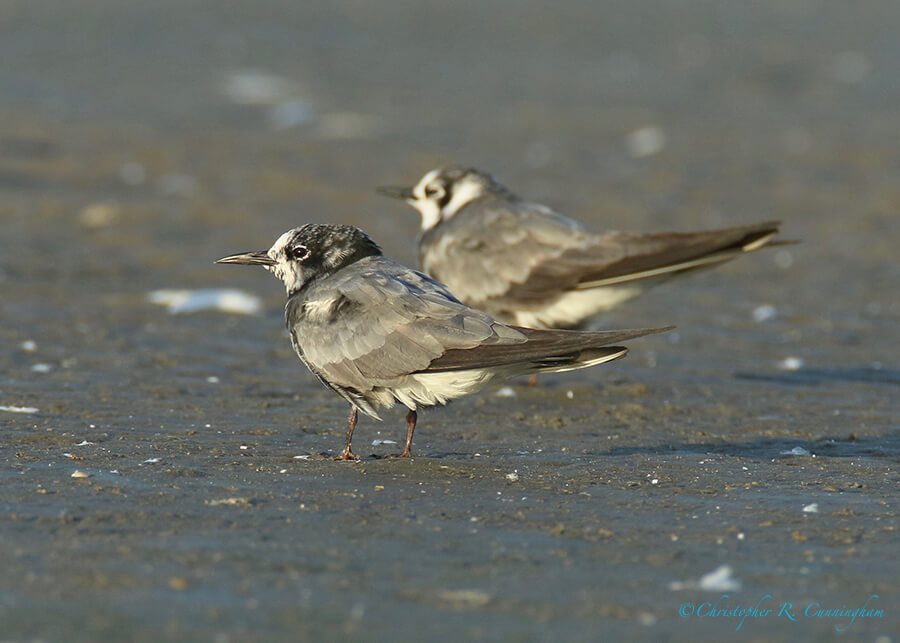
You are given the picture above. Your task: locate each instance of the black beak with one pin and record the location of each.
(396, 192)
(259, 258)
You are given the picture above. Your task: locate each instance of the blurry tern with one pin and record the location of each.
(376, 332)
(525, 264)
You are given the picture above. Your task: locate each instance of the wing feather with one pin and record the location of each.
(396, 321)
(495, 243)
(542, 350)
(501, 255)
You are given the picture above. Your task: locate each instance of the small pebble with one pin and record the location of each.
(645, 141)
(791, 364)
(764, 313)
(98, 215)
(178, 584)
(647, 619)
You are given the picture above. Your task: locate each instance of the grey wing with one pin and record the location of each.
(525, 254)
(378, 323)
(545, 350)
(489, 246)
(620, 257)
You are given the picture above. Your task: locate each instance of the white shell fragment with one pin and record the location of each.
(18, 409)
(645, 141)
(227, 300)
(764, 313)
(256, 87)
(721, 579)
(796, 451)
(791, 364)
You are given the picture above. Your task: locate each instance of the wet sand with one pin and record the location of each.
(752, 453)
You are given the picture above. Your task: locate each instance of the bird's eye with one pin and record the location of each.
(433, 191)
(298, 253)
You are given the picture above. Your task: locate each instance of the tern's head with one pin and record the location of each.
(310, 251)
(443, 192)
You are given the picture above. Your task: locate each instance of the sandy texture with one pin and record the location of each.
(168, 476)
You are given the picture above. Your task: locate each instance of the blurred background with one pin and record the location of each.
(167, 135)
(140, 141)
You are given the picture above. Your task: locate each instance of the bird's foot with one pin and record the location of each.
(405, 454)
(346, 454)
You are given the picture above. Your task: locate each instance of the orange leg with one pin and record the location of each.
(346, 454)
(411, 418)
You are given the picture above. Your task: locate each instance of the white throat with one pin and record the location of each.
(430, 212)
(428, 208)
(463, 192)
(289, 273)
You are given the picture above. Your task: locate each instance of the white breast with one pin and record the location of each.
(575, 306)
(428, 389)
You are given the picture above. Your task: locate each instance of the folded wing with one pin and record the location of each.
(543, 350)
(385, 321)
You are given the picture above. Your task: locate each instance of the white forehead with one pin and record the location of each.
(280, 243)
(419, 190)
